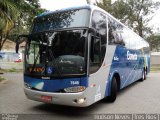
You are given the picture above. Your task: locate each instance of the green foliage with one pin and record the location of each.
(16, 17)
(106, 5)
(8, 13)
(134, 13)
(29, 10)
(1, 78)
(154, 41)
(12, 70)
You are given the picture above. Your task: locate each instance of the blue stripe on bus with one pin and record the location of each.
(129, 70)
(56, 84)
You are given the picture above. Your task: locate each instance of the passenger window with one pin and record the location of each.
(115, 32)
(95, 50)
(98, 41)
(95, 54)
(126, 37)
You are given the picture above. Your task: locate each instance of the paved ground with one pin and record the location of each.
(10, 65)
(141, 97)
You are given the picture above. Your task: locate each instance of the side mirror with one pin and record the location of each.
(20, 39)
(17, 46)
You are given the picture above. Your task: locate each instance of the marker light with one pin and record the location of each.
(75, 89)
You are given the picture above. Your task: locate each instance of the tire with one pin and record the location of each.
(144, 75)
(113, 95)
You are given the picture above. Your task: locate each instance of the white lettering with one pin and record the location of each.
(131, 56)
(74, 82)
(116, 58)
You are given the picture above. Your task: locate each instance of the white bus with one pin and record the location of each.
(78, 56)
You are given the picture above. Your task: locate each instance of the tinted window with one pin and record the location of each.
(63, 51)
(98, 41)
(67, 19)
(115, 32)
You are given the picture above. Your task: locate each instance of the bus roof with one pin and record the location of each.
(87, 6)
(66, 9)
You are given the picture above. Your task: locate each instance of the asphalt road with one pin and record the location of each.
(10, 65)
(140, 97)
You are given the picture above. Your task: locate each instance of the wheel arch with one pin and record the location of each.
(118, 80)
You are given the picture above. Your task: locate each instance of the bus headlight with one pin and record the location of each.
(75, 89)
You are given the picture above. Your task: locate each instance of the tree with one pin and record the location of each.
(134, 13)
(8, 13)
(16, 17)
(154, 41)
(28, 12)
(106, 5)
(139, 16)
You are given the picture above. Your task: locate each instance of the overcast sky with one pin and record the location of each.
(58, 4)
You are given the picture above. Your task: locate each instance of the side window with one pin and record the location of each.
(95, 50)
(115, 32)
(98, 41)
(134, 41)
(126, 37)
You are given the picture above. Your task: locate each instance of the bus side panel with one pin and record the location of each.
(118, 65)
(98, 81)
(128, 64)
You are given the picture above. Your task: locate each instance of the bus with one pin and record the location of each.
(79, 55)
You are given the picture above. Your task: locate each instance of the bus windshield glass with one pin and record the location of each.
(56, 54)
(59, 20)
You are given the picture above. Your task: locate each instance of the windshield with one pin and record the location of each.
(56, 54)
(65, 19)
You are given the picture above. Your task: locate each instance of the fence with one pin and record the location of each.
(8, 56)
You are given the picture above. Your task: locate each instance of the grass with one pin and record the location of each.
(1, 78)
(11, 67)
(13, 70)
(2, 71)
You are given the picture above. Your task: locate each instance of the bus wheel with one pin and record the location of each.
(143, 75)
(113, 93)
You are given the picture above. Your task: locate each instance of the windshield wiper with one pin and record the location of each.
(49, 43)
(56, 64)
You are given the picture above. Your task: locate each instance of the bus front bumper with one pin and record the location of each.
(69, 99)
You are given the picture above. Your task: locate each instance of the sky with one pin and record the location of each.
(58, 4)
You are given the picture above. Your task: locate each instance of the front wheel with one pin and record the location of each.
(113, 94)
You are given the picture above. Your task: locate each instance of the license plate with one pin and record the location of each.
(46, 98)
